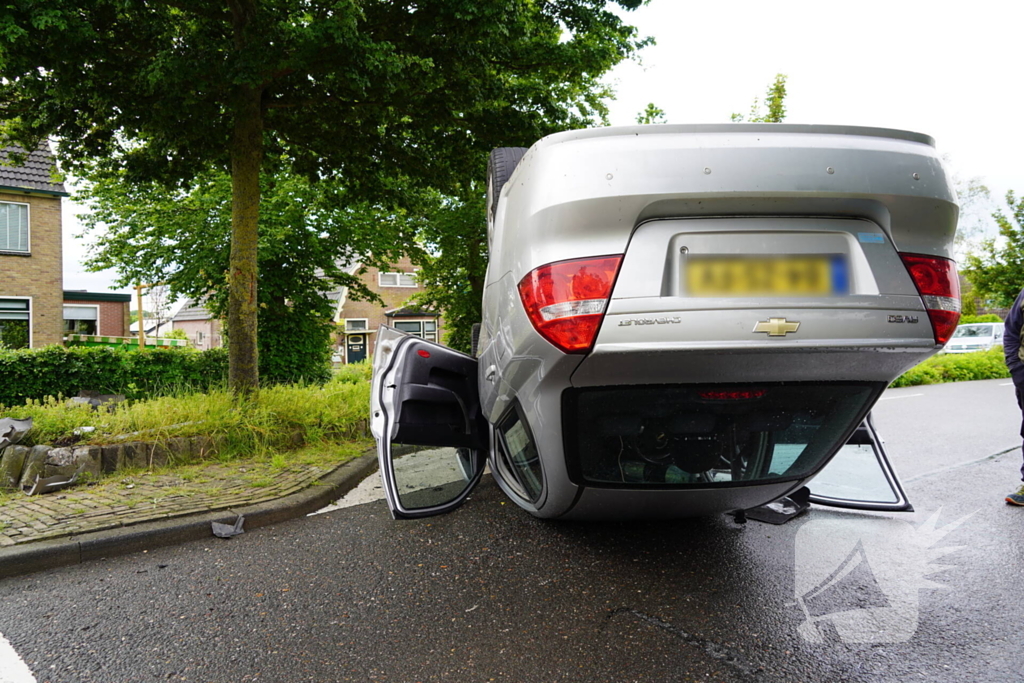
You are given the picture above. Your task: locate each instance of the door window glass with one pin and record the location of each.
(429, 476)
(854, 475)
(521, 454)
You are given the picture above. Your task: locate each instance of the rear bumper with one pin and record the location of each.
(869, 361)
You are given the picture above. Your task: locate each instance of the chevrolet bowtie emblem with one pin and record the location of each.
(776, 327)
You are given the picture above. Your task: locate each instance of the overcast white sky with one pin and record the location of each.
(950, 70)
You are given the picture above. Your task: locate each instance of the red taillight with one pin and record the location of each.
(566, 301)
(939, 286)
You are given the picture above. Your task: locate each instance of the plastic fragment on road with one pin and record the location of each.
(229, 530)
(54, 483)
(12, 431)
(784, 509)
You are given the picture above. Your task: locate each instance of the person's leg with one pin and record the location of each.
(1018, 497)
(1020, 404)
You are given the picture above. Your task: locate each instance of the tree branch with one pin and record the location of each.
(217, 16)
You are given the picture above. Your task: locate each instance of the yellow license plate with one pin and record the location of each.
(811, 275)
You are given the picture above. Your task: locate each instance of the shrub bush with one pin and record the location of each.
(65, 371)
(273, 419)
(956, 367)
(353, 373)
(987, 318)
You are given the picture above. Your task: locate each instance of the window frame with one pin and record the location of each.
(98, 331)
(364, 330)
(423, 333)
(28, 230)
(398, 278)
(31, 308)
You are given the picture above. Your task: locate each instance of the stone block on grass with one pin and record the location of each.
(59, 462)
(88, 461)
(12, 462)
(159, 455)
(112, 458)
(34, 465)
(135, 454)
(204, 447)
(179, 449)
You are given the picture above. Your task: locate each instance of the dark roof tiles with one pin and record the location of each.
(35, 174)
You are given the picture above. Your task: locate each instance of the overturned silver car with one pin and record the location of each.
(680, 320)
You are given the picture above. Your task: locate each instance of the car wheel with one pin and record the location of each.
(500, 165)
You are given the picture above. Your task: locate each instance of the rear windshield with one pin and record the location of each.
(691, 435)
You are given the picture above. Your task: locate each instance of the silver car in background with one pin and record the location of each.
(680, 320)
(975, 337)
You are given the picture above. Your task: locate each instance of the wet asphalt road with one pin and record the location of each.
(489, 593)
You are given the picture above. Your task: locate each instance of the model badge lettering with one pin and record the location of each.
(776, 327)
(903, 318)
(649, 321)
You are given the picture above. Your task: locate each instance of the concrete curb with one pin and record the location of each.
(33, 557)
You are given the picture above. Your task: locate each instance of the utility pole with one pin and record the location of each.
(142, 320)
(142, 316)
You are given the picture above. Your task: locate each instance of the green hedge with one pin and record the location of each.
(956, 367)
(987, 318)
(65, 371)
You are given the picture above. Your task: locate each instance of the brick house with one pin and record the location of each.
(203, 330)
(31, 265)
(96, 313)
(357, 321)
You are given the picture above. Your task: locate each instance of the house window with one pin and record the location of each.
(14, 323)
(426, 329)
(397, 279)
(81, 319)
(13, 227)
(356, 325)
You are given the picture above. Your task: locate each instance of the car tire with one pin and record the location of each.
(500, 165)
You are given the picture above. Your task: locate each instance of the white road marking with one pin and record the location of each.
(12, 668)
(370, 489)
(1006, 384)
(888, 398)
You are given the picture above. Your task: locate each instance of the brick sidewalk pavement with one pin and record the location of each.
(124, 501)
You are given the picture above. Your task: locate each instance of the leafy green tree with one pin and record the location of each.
(774, 99)
(996, 270)
(453, 262)
(651, 114)
(364, 90)
(308, 232)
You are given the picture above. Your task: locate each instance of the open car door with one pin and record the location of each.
(425, 415)
(860, 476)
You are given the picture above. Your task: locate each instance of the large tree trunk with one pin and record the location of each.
(246, 161)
